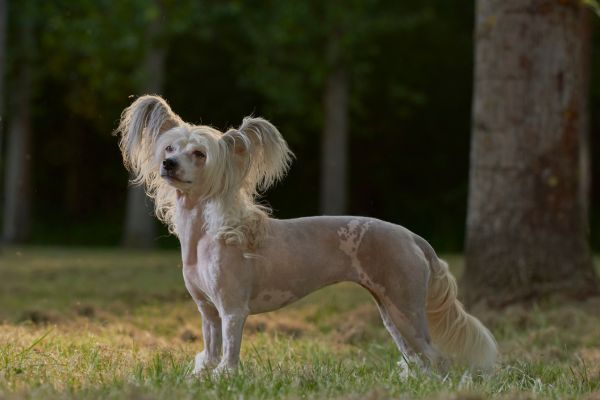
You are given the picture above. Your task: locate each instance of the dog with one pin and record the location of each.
(239, 261)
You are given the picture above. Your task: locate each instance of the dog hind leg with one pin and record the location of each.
(409, 359)
(403, 310)
(409, 324)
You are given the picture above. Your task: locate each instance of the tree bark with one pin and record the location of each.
(585, 165)
(334, 147)
(140, 223)
(526, 223)
(17, 183)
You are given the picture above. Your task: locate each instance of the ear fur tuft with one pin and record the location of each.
(261, 153)
(141, 124)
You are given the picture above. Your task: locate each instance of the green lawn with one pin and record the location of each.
(79, 323)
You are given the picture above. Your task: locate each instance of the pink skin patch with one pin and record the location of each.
(351, 237)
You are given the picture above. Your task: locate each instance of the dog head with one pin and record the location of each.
(187, 156)
(164, 152)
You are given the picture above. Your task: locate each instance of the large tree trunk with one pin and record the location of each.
(140, 223)
(334, 147)
(526, 227)
(17, 183)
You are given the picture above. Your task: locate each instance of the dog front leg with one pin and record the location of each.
(211, 334)
(233, 326)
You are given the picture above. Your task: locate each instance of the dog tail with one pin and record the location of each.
(455, 332)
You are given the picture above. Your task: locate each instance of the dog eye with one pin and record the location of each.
(198, 153)
(169, 149)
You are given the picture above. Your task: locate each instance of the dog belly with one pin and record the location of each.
(282, 285)
(303, 256)
(271, 300)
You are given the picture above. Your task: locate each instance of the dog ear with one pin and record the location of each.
(259, 152)
(141, 124)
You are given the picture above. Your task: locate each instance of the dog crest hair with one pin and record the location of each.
(241, 163)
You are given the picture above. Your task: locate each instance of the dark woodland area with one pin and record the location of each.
(406, 70)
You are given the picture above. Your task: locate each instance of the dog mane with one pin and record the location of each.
(240, 164)
(256, 157)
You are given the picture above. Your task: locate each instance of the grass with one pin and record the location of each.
(113, 324)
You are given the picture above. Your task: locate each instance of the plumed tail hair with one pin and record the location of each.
(455, 332)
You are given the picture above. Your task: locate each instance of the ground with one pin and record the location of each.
(111, 324)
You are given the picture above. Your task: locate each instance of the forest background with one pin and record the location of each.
(407, 71)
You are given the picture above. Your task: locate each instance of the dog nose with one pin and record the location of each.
(169, 164)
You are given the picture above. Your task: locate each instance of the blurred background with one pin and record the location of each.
(380, 89)
(375, 99)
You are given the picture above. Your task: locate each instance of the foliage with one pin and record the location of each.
(593, 4)
(293, 54)
(410, 68)
(111, 324)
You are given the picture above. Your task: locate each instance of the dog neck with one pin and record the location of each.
(236, 219)
(190, 225)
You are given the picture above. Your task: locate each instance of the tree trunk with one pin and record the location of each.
(3, 29)
(526, 226)
(140, 223)
(334, 147)
(17, 183)
(140, 227)
(585, 165)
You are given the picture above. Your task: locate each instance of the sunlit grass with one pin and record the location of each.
(112, 324)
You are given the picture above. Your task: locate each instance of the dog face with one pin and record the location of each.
(163, 152)
(185, 159)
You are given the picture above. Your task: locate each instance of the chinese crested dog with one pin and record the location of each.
(239, 261)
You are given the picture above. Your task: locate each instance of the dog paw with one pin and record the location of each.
(223, 370)
(408, 369)
(203, 364)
